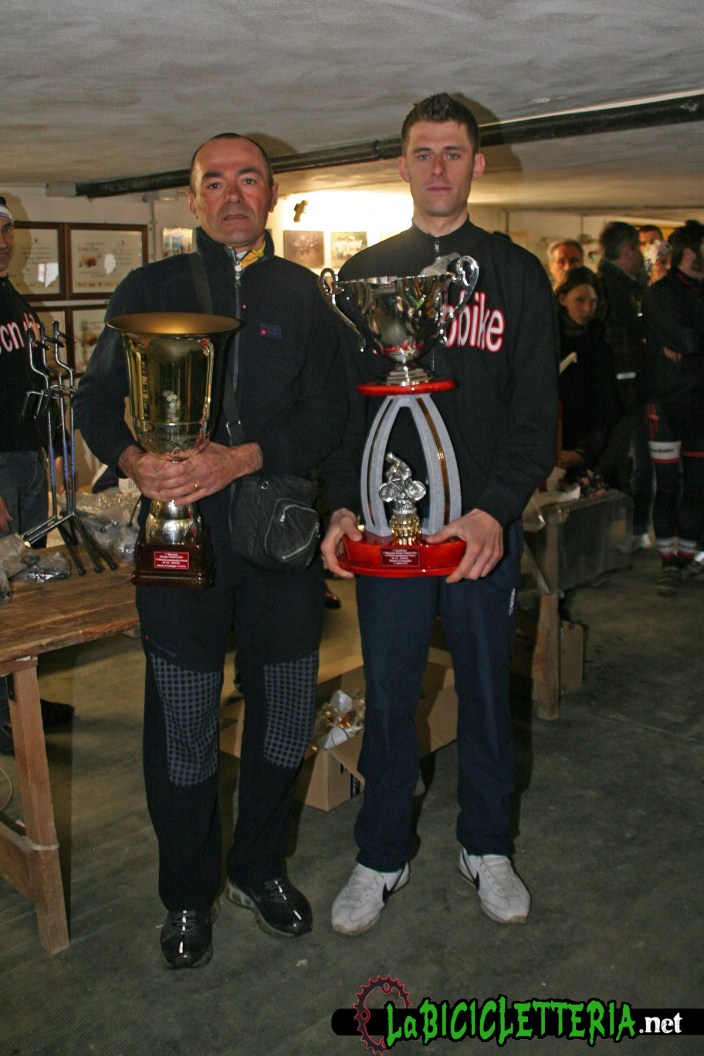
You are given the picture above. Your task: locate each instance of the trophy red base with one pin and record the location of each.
(384, 556)
(175, 564)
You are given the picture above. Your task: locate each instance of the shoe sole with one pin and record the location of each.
(523, 919)
(234, 895)
(342, 930)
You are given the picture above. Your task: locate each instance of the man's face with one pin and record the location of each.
(647, 236)
(7, 245)
(562, 259)
(692, 263)
(232, 197)
(632, 259)
(439, 163)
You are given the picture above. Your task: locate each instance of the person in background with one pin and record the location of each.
(501, 419)
(673, 312)
(563, 255)
(657, 260)
(590, 406)
(649, 233)
(24, 489)
(623, 279)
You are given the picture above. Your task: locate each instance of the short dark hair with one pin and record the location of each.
(439, 108)
(651, 227)
(614, 238)
(689, 236)
(232, 135)
(578, 276)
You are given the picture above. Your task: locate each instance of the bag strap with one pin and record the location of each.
(200, 281)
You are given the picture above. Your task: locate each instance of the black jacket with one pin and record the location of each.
(290, 387)
(673, 313)
(588, 392)
(16, 379)
(502, 350)
(620, 312)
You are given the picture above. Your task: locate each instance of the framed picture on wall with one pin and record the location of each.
(176, 240)
(37, 268)
(86, 327)
(344, 244)
(100, 256)
(305, 247)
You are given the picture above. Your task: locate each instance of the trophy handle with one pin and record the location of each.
(331, 288)
(466, 276)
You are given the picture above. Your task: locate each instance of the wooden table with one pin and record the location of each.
(39, 619)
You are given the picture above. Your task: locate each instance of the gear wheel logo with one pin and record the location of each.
(390, 988)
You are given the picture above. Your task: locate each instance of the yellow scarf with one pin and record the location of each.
(250, 256)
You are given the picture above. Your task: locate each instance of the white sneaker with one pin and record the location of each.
(361, 901)
(633, 543)
(502, 894)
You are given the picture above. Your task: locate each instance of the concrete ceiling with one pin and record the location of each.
(94, 89)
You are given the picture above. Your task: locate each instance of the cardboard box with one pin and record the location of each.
(572, 643)
(330, 776)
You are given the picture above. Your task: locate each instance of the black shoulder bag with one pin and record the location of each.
(272, 520)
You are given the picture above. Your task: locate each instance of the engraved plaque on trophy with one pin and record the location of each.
(172, 366)
(403, 318)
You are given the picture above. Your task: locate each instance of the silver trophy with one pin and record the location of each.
(402, 318)
(171, 364)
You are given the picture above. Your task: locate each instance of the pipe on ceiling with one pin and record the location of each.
(526, 130)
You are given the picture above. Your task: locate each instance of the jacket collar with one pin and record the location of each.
(447, 241)
(216, 250)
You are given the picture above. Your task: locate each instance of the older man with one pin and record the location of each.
(283, 410)
(563, 255)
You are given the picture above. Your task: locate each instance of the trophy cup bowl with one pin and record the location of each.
(402, 318)
(172, 370)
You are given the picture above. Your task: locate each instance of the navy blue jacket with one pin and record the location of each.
(290, 385)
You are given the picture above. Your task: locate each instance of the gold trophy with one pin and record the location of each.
(171, 363)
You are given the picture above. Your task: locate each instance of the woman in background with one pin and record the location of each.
(590, 406)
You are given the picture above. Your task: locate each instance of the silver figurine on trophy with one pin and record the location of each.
(403, 318)
(171, 366)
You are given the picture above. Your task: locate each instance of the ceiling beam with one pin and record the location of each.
(650, 114)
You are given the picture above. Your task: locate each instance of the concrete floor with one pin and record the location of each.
(610, 842)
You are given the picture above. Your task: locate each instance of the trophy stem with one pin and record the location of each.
(170, 523)
(403, 375)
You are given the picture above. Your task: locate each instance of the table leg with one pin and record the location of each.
(39, 845)
(546, 659)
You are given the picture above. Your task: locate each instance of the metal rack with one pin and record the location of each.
(52, 402)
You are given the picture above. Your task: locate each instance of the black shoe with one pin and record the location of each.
(186, 938)
(55, 714)
(280, 908)
(331, 600)
(7, 744)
